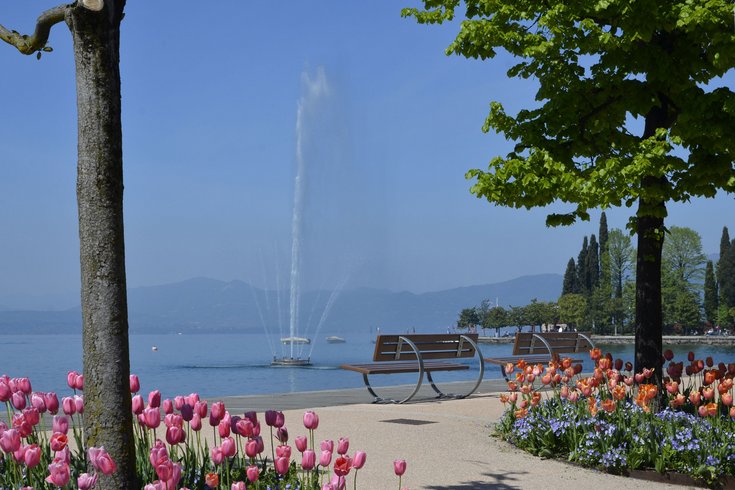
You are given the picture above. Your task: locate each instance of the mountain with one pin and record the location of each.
(204, 305)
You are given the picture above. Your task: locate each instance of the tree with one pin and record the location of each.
(603, 68)
(710, 293)
(95, 31)
(570, 279)
(572, 309)
(517, 317)
(468, 319)
(582, 271)
(603, 234)
(593, 264)
(682, 254)
(726, 275)
(496, 318)
(622, 257)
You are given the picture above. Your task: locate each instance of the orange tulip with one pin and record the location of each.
(509, 368)
(695, 397)
(732, 412)
(566, 363)
(726, 399)
(535, 398)
(618, 392)
(522, 364)
(604, 363)
(672, 387)
(512, 386)
(504, 399)
(592, 405)
(609, 405)
(678, 400)
(519, 414)
(595, 354)
(708, 393)
(709, 377)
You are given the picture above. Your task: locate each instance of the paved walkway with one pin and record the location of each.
(448, 444)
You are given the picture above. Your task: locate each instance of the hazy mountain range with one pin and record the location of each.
(207, 305)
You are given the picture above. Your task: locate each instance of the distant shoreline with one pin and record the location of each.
(630, 339)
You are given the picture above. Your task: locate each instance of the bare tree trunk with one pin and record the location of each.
(108, 418)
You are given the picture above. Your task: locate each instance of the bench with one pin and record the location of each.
(543, 348)
(420, 353)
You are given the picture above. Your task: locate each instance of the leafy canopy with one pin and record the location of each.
(602, 64)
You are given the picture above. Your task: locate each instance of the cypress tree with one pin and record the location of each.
(593, 264)
(570, 279)
(726, 270)
(603, 234)
(582, 274)
(710, 292)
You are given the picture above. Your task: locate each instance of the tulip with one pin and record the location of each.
(79, 382)
(212, 480)
(58, 474)
(179, 401)
(223, 428)
(251, 448)
(134, 383)
(342, 466)
(168, 406)
(196, 423)
(165, 469)
(175, 435)
(270, 418)
(253, 473)
(218, 411)
(343, 445)
(32, 416)
(10, 440)
(71, 376)
(18, 400)
(311, 420)
(79, 404)
(238, 485)
(63, 456)
(325, 459)
(138, 404)
(217, 455)
(399, 465)
(101, 460)
(187, 412)
(228, 447)
(58, 441)
(695, 398)
(337, 483)
(152, 417)
(726, 399)
(52, 402)
(32, 455)
(300, 443)
(154, 399)
(86, 481)
(283, 451)
(282, 435)
(20, 454)
(359, 460)
(282, 465)
(5, 392)
(158, 454)
(244, 427)
(38, 402)
(327, 445)
(200, 408)
(308, 460)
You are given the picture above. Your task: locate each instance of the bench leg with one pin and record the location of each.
(378, 399)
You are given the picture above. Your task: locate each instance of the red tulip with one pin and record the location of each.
(399, 466)
(311, 420)
(282, 465)
(229, 449)
(342, 466)
(300, 443)
(253, 473)
(211, 480)
(32, 455)
(52, 402)
(308, 460)
(359, 460)
(134, 383)
(343, 445)
(58, 474)
(58, 441)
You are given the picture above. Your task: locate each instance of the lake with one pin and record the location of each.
(238, 364)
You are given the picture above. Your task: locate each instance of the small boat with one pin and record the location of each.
(154, 348)
(295, 340)
(333, 339)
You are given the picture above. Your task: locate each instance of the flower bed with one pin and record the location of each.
(616, 421)
(171, 451)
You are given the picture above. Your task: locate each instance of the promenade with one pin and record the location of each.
(448, 444)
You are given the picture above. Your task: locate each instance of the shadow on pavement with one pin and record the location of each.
(495, 481)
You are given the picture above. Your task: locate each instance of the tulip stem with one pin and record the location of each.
(273, 454)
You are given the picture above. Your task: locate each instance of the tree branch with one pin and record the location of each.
(31, 44)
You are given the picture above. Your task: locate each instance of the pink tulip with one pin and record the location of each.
(38, 402)
(165, 469)
(200, 408)
(63, 456)
(238, 485)
(325, 459)
(5, 392)
(3, 427)
(251, 448)
(244, 427)
(327, 445)
(71, 379)
(300, 443)
(101, 460)
(138, 404)
(10, 440)
(228, 447)
(87, 481)
(173, 419)
(282, 465)
(359, 460)
(338, 482)
(158, 453)
(168, 406)
(253, 473)
(175, 435)
(24, 385)
(152, 417)
(311, 420)
(196, 423)
(58, 474)
(223, 428)
(154, 399)
(79, 382)
(32, 455)
(256, 429)
(343, 445)
(179, 401)
(134, 383)
(216, 455)
(58, 441)
(218, 411)
(20, 454)
(283, 451)
(308, 459)
(52, 402)
(32, 416)
(192, 399)
(18, 399)
(79, 404)
(399, 466)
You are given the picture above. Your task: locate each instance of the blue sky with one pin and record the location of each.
(210, 97)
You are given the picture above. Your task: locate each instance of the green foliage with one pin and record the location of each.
(710, 293)
(682, 255)
(583, 276)
(603, 234)
(468, 318)
(726, 276)
(497, 318)
(622, 259)
(570, 279)
(593, 264)
(572, 308)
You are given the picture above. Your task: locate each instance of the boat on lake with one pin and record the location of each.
(333, 339)
(295, 340)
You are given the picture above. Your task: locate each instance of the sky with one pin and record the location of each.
(216, 103)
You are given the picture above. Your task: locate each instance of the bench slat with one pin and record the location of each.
(403, 367)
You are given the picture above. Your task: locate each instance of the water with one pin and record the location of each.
(239, 364)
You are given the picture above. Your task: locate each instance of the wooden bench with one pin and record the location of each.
(420, 353)
(543, 348)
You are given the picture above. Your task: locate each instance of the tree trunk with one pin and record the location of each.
(107, 418)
